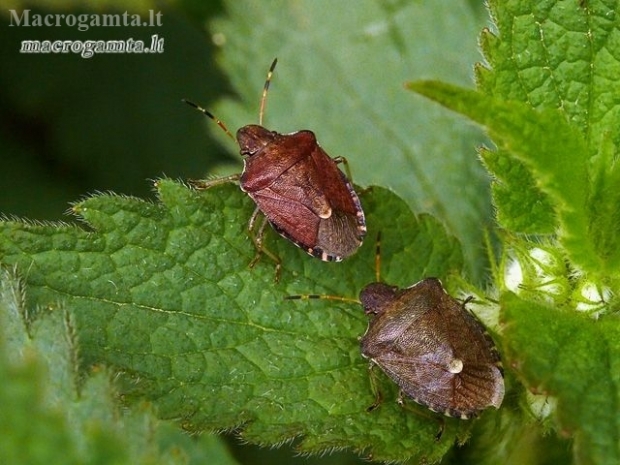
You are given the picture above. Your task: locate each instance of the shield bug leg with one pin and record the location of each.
(202, 184)
(257, 239)
(253, 218)
(345, 162)
(374, 386)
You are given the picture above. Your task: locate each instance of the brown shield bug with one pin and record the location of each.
(299, 189)
(430, 345)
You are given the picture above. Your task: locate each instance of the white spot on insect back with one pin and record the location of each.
(455, 366)
(326, 213)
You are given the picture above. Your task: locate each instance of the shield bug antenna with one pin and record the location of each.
(430, 345)
(297, 187)
(210, 115)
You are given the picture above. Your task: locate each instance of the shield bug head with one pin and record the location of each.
(431, 346)
(298, 187)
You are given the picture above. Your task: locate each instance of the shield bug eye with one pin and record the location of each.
(430, 345)
(298, 188)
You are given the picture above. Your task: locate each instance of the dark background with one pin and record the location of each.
(70, 126)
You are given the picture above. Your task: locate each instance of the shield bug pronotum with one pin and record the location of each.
(430, 345)
(298, 187)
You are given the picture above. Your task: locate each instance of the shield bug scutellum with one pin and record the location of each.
(298, 187)
(430, 345)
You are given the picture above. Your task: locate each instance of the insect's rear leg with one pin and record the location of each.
(258, 243)
(347, 169)
(374, 386)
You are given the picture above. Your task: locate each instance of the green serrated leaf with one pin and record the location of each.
(575, 360)
(604, 202)
(50, 414)
(552, 149)
(163, 292)
(38, 381)
(526, 209)
(555, 55)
